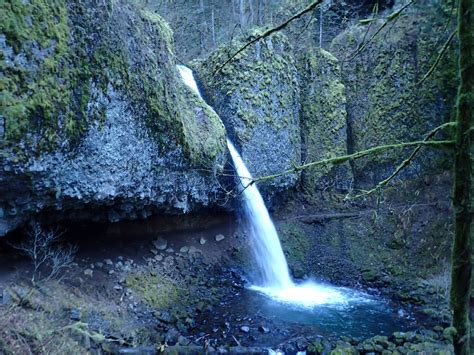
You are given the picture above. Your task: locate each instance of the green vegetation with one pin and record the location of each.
(322, 116)
(296, 243)
(34, 94)
(382, 91)
(158, 291)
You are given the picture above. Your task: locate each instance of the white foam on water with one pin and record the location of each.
(307, 294)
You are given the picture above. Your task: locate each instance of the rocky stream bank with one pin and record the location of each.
(182, 290)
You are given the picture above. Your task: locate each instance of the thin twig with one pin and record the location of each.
(238, 342)
(375, 13)
(406, 161)
(440, 55)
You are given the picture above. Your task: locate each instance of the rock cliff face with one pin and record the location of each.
(96, 122)
(344, 104)
(323, 121)
(385, 103)
(256, 96)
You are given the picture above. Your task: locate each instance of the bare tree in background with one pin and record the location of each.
(47, 256)
(242, 17)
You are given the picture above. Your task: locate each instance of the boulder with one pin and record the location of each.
(219, 237)
(160, 244)
(256, 96)
(99, 125)
(245, 329)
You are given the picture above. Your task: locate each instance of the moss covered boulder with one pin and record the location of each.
(256, 95)
(385, 101)
(95, 120)
(323, 121)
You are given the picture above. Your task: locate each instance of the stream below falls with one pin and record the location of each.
(271, 322)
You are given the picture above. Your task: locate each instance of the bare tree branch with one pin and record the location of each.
(40, 247)
(357, 155)
(440, 55)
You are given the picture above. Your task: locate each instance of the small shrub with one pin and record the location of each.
(48, 258)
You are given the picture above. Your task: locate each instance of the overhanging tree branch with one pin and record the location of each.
(267, 33)
(357, 155)
(406, 161)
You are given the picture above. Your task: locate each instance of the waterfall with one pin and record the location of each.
(276, 281)
(267, 248)
(188, 78)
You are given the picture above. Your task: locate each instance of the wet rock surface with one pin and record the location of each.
(256, 97)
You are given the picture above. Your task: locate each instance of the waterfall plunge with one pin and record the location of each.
(267, 248)
(276, 280)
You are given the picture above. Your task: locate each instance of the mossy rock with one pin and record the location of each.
(61, 57)
(256, 96)
(158, 291)
(385, 103)
(323, 120)
(296, 243)
(94, 113)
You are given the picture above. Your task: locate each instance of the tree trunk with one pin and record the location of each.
(259, 13)
(461, 257)
(252, 14)
(204, 28)
(213, 25)
(242, 14)
(320, 27)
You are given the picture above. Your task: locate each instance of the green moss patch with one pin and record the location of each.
(323, 118)
(385, 103)
(296, 243)
(259, 83)
(158, 291)
(35, 93)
